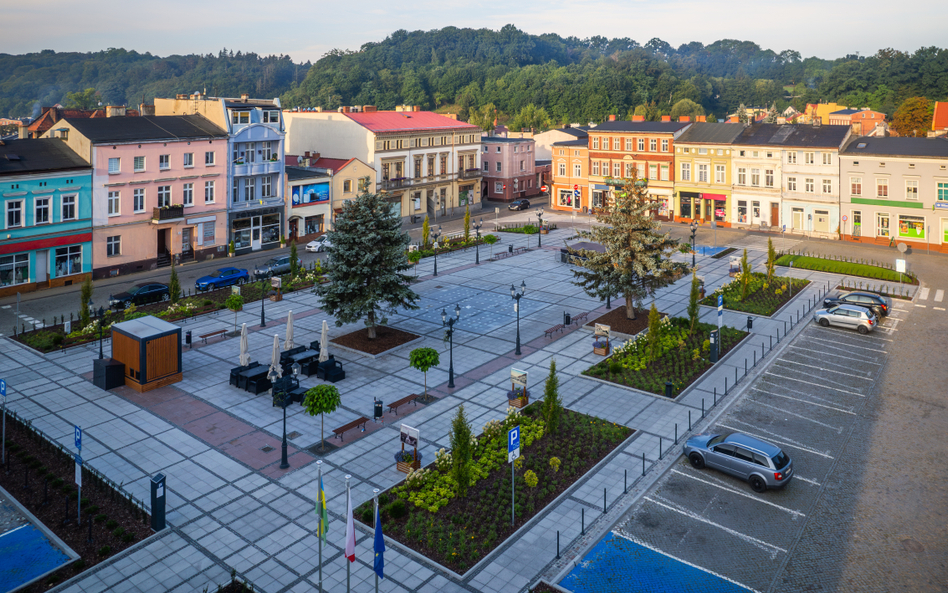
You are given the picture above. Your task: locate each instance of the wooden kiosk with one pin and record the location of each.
(150, 349)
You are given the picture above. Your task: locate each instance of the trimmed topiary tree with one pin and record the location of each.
(693, 308)
(174, 285)
(423, 359)
(461, 451)
(85, 297)
(425, 229)
(322, 399)
(653, 338)
(745, 275)
(552, 407)
(467, 223)
(294, 261)
(771, 260)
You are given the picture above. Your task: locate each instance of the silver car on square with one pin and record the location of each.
(761, 464)
(851, 316)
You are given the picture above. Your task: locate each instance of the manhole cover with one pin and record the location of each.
(267, 449)
(911, 545)
(293, 435)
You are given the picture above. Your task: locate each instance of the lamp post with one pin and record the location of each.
(539, 227)
(694, 231)
(280, 392)
(101, 314)
(446, 321)
(516, 297)
(434, 238)
(263, 297)
(477, 244)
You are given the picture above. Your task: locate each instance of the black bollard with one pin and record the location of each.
(745, 363)
(725, 386)
(604, 500)
(676, 433)
(735, 375)
(582, 518)
(714, 401)
(643, 464)
(625, 481)
(557, 544)
(659, 447)
(689, 420)
(761, 349)
(702, 407)
(771, 342)
(755, 358)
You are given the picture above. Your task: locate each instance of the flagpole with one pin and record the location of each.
(375, 492)
(319, 518)
(348, 510)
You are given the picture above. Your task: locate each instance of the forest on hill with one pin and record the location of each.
(464, 70)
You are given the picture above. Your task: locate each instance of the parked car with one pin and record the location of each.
(140, 294)
(762, 464)
(880, 305)
(222, 277)
(519, 205)
(276, 266)
(851, 316)
(318, 244)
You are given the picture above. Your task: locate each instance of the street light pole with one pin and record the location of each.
(101, 314)
(263, 297)
(694, 231)
(540, 228)
(445, 321)
(434, 237)
(477, 244)
(517, 296)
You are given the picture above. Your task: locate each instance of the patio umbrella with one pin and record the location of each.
(244, 346)
(324, 343)
(275, 357)
(289, 332)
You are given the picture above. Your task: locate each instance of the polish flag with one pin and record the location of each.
(350, 529)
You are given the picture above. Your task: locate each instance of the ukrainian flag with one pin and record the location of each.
(323, 525)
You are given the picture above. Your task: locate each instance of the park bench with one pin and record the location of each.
(583, 316)
(521, 249)
(393, 407)
(358, 422)
(219, 332)
(555, 328)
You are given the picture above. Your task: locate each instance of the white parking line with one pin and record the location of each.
(5, 307)
(814, 384)
(923, 294)
(922, 306)
(806, 401)
(747, 538)
(787, 442)
(807, 480)
(813, 366)
(849, 357)
(685, 562)
(939, 295)
(738, 492)
(800, 416)
(938, 308)
(848, 346)
(850, 333)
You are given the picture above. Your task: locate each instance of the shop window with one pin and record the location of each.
(14, 269)
(685, 207)
(207, 232)
(911, 227)
(742, 211)
(68, 260)
(270, 233)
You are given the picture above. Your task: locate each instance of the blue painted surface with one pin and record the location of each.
(618, 565)
(25, 554)
(706, 250)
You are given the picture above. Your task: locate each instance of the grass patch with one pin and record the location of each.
(726, 252)
(763, 298)
(846, 266)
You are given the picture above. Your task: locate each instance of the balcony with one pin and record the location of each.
(398, 183)
(471, 173)
(167, 214)
(242, 169)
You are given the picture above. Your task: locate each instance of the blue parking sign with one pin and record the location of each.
(513, 439)
(3, 388)
(78, 438)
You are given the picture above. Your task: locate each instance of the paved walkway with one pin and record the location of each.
(231, 508)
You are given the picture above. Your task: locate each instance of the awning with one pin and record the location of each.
(718, 197)
(600, 186)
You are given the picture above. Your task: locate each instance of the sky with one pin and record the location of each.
(306, 30)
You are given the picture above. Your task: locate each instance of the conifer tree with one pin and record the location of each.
(771, 260)
(745, 275)
(367, 279)
(693, 308)
(461, 451)
(467, 222)
(552, 407)
(425, 229)
(174, 285)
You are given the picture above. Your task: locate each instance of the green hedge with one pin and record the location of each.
(849, 268)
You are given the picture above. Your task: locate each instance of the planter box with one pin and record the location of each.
(404, 466)
(544, 231)
(276, 297)
(520, 402)
(604, 351)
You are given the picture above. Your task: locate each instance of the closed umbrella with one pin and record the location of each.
(324, 343)
(275, 357)
(289, 332)
(244, 346)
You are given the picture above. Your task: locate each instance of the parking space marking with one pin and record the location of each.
(807, 480)
(923, 294)
(823, 353)
(938, 308)
(796, 399)
(850, 333)
(836, 343)
(939, 295)
(787, 442)
(743, 536)
(922, 306)
(768, 373)
(722, 486)
(819, 368)
(800, 416)
(685, 562)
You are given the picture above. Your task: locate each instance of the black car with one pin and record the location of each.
(519, 205)
(878, 304)
(140, 294)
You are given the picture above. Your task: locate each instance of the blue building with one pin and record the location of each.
(46, 199)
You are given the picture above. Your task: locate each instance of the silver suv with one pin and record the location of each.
(851, 316)
(763, 465)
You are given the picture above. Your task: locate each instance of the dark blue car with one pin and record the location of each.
(222, 277)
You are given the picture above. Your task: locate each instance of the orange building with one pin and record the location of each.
(862, 121)
(570, 187)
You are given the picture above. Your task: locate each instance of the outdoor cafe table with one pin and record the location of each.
(245, 377)
(304, 359)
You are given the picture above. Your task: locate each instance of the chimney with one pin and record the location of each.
(196, 95)
(115, 111)
(146, 109)
(416, 108)
(306, 154)
(702, 118)
(180, 97)
(684, 118)
(612, 118)
(666, 118)
(369, 108)
(638, 118)
(244, 97)
(22, 132)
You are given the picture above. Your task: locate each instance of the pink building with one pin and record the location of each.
(509, 168)
(159, 189)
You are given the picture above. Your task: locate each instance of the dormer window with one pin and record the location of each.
(240, 117)
(271, 117)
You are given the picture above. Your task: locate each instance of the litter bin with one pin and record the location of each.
(378, 409)
(714, 345)
(566, 318)
(187, 338)
(750, 323)
(668, 389)
(158, 499)
(510, 249)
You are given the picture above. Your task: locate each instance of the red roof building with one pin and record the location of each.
(940, 117)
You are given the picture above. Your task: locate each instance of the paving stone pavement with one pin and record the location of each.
(229, 510)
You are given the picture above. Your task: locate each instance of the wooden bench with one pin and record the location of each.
(555, 328)
(521, 249)
(393, 407)
(583, 316)
(219, 332)
(354, 424)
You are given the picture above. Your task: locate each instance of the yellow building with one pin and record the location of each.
(820, 111)
(703, 172)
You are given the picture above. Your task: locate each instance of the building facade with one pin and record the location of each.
(509, 168)
(426, 162)
(569, 191)
(544, 141)
(895, 191)
(158, 189)
(310, 194)
(46, 193)
(703, 173)
(862, 121)
(347, 178)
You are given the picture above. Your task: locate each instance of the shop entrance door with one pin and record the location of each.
(798, 219)
(944, 231)
(255, 224)
(187, 252)
(821, 222)
(41, 264)
(755, 213)
(774, 214)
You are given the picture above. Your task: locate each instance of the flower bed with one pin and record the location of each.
(763, 298)
(848, 266)
(451, 245)
(525, 229)
(680, 357)
(425, 514)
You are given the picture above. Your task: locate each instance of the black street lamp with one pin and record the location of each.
(694, 231)
(280, 388)
(449, 333)
(539, 227)
(263, 297)
(101, 320)
(434, 238)
(517, 296)
(608, 295)
(477, 245)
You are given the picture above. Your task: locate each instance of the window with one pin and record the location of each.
(882, 188)
(911, 189)
(827, 186)
(665, 173)
(855, 186)
(113, 246)
(702, 173)
(209, 158)
(808, 182)
(641, 144)
(115, 204)
(240, 117)
(347, 186)
(138, 164)
(882, 224)
(42, 211)
(719, 174)
(498, 187)
(271, 117)
(628, 169)
(595, 167)
(768, 177)
(653, 172)
(266, 150)
(653, 145)
(164, 162)
(628, 144)
(791, 184)
(485, 165)
(665, 145)
(266, 187)
(69, 208)
(251, 153)
(498, 149)
(498, 166)
(808, 158)
(138, 200)
(189, 159)
(418, 167)
(755, 154)
(14, 269)
(68, 260)
(115, 166)
(616, 143)
(208, 232)
(187, 194)
(912, 227)
(942, 192)
(577, 169)
(702, 151)
(164, 196)
(596, 142)
(755, 177)
(14, 213)
(741, 176)
(827, 158)
(521, 166)
(792, 158)
(686, 171)
(249, 189)
(617, 169)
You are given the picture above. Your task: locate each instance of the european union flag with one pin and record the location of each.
(379, 546)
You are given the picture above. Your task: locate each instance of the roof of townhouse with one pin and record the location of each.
(940, 116)
(147, 128)
(329, 163)
(505, 139)
(44, 155)
(579, 131)
(897, 146)
(584, 142)
(406, 121)
(792, 135)
(845, 112)
(238, 103)
(668, 127)
(298, 173)
(710, 133)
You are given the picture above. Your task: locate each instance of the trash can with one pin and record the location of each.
(714, 345)
(158, 499)
(566, 318)
(510, 249)
(750, 323)
(668, 389)
(378, 409)
(187, 338)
